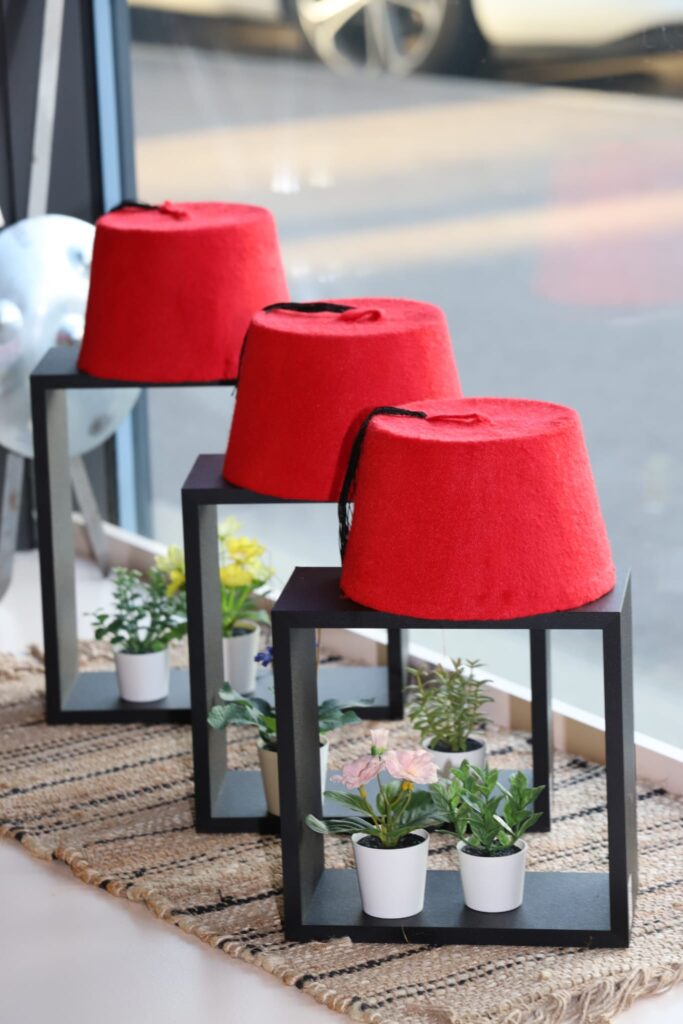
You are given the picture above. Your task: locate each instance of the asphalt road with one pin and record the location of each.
(548, 223)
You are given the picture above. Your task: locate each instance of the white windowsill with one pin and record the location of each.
(576, 731)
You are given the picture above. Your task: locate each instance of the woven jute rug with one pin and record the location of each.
(115, 804)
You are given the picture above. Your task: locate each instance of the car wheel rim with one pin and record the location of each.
(375, 35)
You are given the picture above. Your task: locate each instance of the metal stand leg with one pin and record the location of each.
(15, 471)
(12, 487)
(87, 502)
(541, 723)
(621, 772)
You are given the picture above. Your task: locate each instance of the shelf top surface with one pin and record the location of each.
(313, 596)
(58, 370)
(205, 485)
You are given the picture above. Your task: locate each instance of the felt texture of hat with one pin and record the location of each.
(486, 508)
(173, 288)
(308, 378)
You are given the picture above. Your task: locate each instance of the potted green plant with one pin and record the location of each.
(445, 706)
(238, 709)
(243, 575)
(144, 621)
(489, 821)
(389, 837)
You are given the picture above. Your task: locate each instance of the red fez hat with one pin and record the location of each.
(311, 371)
(173, 288)
(483, 508)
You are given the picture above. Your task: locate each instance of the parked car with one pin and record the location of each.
(405, 36)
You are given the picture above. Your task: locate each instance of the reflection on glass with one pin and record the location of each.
(546, 221)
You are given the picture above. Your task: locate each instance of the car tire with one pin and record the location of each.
(458, 46)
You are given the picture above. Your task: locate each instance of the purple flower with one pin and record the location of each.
(265, 658)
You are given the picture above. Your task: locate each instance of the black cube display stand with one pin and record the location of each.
(560, 908)
(74, 696)
(233, 801)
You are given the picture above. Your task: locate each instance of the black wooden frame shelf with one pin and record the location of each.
(560, 908)
(73, 696)
(230, 800)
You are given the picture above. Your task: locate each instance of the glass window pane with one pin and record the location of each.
(546, 219)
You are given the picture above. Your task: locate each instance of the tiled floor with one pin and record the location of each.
(71, 954)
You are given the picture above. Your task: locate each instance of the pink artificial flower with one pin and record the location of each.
(411, 766)
(379, 739)
(356, 773)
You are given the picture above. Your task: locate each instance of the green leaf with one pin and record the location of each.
(263, 706)
(227, 693)
(422, 799)
(356, 803)
(412, 817)
(440, 795)
(316, 825)
(340, 826)
(217, 717)
(407, 827)
(388, 795)
(348, 717)
(335, 720)
(473, 803)
(259, 615)
(330, 705)
(529, 823)
(232, 714)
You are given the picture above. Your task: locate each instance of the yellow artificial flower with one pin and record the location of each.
(173, 559)
(236, 576)
(176, 582)
(260, 572)
(227, 527)
(244, 549)
(173, 565)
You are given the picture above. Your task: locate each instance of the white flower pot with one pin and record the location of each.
(143, 678)
(392, 882)
(493, 884)
(446, 760)
(271, 778)
(239, 667)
